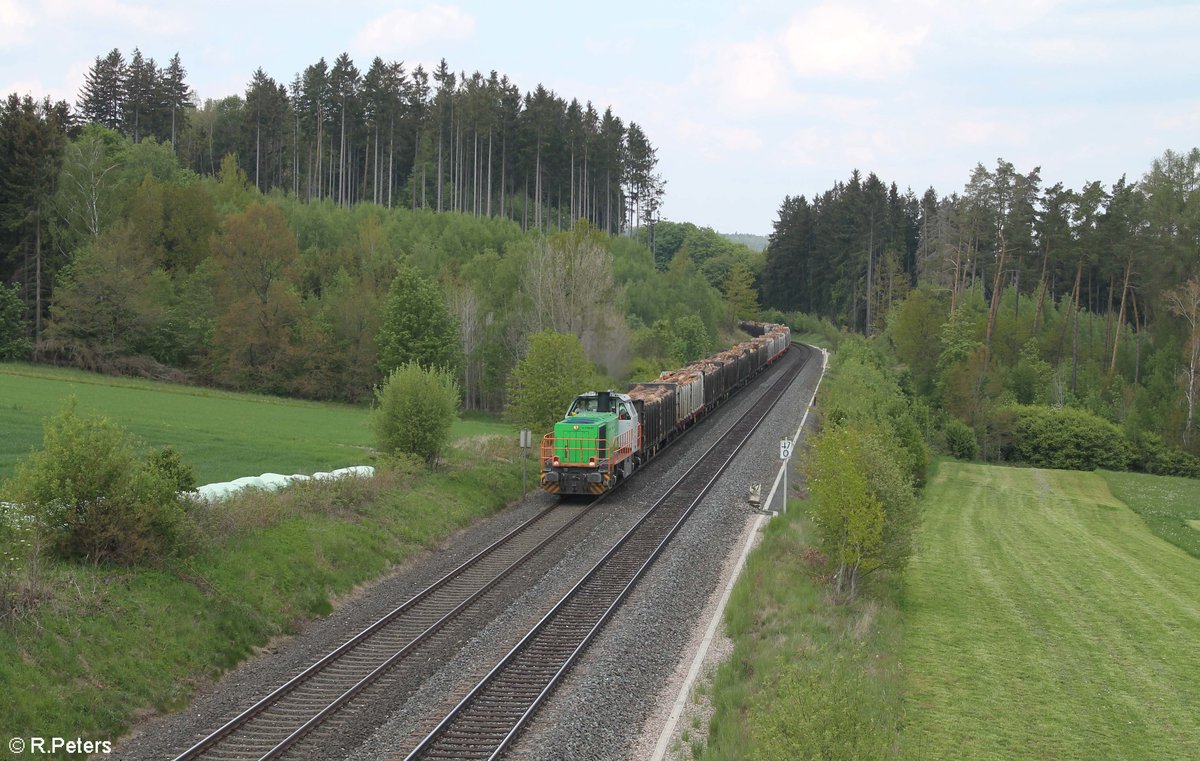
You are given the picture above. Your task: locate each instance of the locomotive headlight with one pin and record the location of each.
(555, 461)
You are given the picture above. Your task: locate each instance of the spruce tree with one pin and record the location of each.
(102, 99)
(176, 95)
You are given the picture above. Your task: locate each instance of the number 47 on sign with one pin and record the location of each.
(785, 449)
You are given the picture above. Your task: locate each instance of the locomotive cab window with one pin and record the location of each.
(583, 404)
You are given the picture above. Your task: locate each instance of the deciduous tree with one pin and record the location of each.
(256, 338)
(417, 325)
(1184, 302)
(541, 386)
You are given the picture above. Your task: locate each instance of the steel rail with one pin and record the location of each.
(468, 743)
(273, 698)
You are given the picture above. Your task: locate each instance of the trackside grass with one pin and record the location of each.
(1044, 621)
(110, 644)
(222, 434)
(808, 678)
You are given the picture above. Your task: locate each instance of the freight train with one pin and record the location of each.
(606, 436)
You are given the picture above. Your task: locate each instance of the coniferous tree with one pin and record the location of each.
(176, 95)
(344, 81)
(264, 130)
(102, 99)
(33, 135)
(142, 98)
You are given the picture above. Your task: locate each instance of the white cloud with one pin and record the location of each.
(144, 18)
(748, 76)
(1066, 50)
(1185, 118)
(807, 147)
(989, 132)
(994, 16)
(397, 30)
(716, 141)
(615, 47)
(835, 40)
(770, 73)
(15, 23)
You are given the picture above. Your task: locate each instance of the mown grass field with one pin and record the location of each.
(1169, 506)
(1044, 620)
(223, 435)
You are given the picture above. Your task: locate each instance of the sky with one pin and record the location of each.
(746, 102)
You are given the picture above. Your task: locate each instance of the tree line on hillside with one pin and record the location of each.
(440, 139)
(143, 266)
(1012, 292)
(253, 242)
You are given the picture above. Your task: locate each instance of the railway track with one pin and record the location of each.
(271, 726)
(276, 723)
(488, 719)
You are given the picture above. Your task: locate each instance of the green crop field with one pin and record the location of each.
(1043, 619)
(224, 435)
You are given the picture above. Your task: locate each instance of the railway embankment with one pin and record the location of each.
(109, 647)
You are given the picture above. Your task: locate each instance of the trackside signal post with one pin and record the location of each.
(526, 443)
(785, 454)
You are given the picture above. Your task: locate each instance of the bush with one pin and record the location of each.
(1152, 455)
(863, 500)
(95, 498)
(416, 408)
(960, 440)
(830, 336)
(1066, 438)
(168, 463)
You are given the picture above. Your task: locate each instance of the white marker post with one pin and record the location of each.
(526, 444)
(785, 454)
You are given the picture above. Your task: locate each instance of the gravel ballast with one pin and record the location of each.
(602, 709)
(634, 668)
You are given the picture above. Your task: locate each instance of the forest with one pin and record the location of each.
(297, 239)
(306, 241)
(1014, 293)
(441, 140)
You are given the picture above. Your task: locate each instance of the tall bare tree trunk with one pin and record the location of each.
(37, 278)
(955, 286)
(1108, 314)
(870, 272)
(994, 307)
(1116, 344)
(1137, 328)
(1075, 328)
(1037, 312)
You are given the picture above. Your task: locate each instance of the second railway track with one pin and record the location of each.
(279, 720)
(489, 718)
